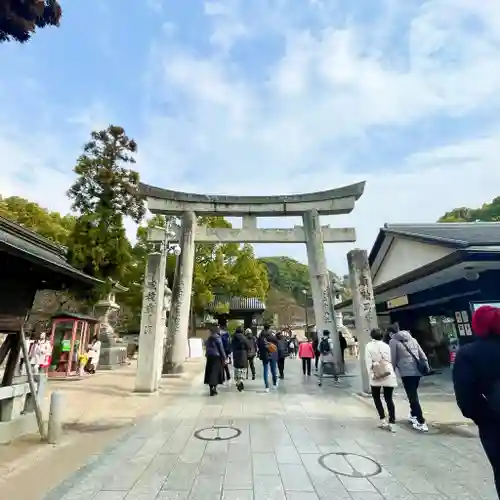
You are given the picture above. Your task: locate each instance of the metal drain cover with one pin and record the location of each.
(350, 464)
(217, 433)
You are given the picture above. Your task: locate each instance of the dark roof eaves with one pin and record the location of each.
(428, 238)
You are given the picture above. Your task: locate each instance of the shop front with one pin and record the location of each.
(429, 279)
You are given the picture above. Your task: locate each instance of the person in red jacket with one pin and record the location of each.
(306, 354)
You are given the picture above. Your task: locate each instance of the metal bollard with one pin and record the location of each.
(55, 418)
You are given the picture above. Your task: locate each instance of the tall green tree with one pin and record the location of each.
(104, 193)
(20, 18)
(489, 212)
(250, 275)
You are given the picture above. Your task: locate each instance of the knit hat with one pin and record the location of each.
(486, 321)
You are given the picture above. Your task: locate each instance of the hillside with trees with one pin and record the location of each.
(290, 289)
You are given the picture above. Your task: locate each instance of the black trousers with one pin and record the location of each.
(306, 366)
(490, 439)
(281, 367)
(227, 373)
(411, 388)
(388, 393)
(316, 361)
(251, 365)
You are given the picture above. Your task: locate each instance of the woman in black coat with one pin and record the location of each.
(240, 347)
(216, 359)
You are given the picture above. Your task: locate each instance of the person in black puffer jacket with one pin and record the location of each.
(476, 378)
(282, 353)
(240, 346)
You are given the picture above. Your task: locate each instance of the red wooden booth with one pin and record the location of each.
(70, 336)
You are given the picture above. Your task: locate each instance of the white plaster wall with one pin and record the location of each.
(404, 256)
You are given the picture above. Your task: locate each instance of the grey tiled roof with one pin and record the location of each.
(461, 234)
(30, 245)
(238, 304)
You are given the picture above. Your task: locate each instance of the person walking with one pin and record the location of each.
(306, 354)
(292, 347)
(343, 347)
(215, 361)
(282, 353)
(240, 346)
(252, 352)
(317, 354)
(411, 362)
(268, 353)
(327, 357)
(476, 378)
(382, 377)
(226, 343)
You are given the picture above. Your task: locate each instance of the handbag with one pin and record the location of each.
(422, 366)
(381, 369)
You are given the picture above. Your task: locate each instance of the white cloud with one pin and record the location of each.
(297, 126)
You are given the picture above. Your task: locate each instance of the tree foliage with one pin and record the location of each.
(104, 193)
(20, 18)
(50, 225)
(489, 212)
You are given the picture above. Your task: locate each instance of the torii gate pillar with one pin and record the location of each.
(321, 286)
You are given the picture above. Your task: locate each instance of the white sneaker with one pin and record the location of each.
(267, 389)
(412, 420)
(383, 424)
(421, 427)
(275, 387)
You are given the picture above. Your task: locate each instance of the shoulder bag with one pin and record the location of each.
(422, 366)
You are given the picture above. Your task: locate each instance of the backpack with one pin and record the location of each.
(324, 346)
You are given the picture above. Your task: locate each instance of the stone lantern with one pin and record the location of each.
(113, 349)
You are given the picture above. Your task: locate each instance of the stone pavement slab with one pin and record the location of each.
(287, 449)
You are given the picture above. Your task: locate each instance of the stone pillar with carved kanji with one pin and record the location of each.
(152, 332)
(321, 286)
(363, 301)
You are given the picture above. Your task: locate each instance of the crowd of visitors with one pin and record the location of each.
(272, 349)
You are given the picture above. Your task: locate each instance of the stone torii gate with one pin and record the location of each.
(187, 206)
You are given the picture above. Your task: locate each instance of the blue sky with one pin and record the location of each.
(266, 97)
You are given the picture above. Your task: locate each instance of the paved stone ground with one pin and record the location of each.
(284, 434)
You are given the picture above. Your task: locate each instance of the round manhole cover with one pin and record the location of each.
(350, 464)
(217, 433)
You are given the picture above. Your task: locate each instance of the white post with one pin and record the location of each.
(323, 299)
(152, 329)
(54, 430)
(176, 350)
(365, 315)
